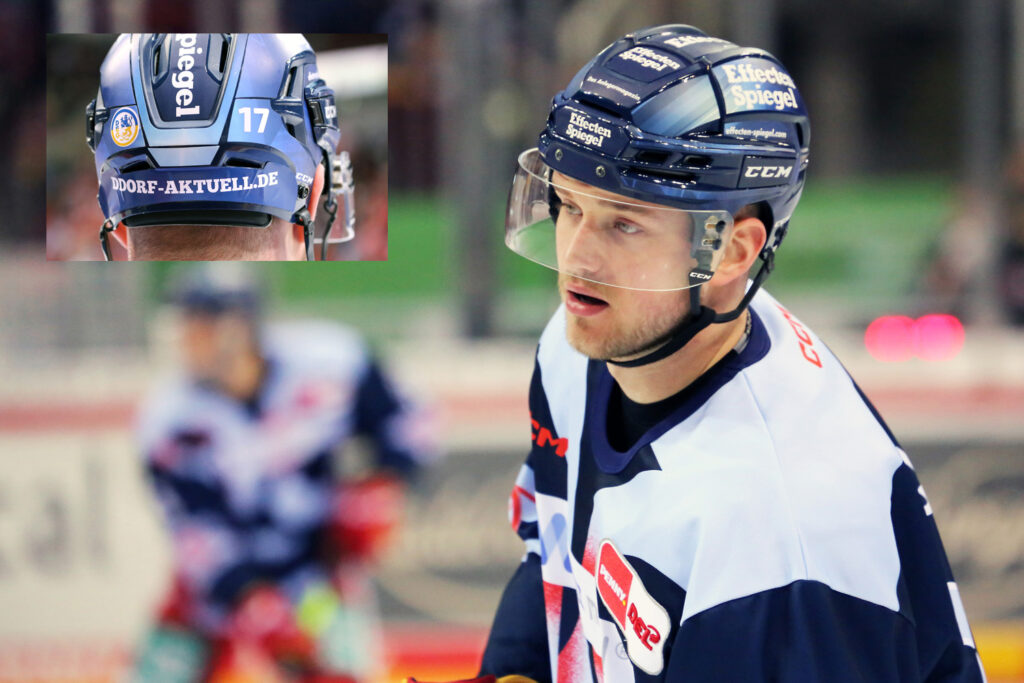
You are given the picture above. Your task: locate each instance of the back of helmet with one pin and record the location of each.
(212, 129)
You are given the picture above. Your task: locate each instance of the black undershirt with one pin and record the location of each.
(629, 420)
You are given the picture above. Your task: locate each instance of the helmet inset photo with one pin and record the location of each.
(224, 146)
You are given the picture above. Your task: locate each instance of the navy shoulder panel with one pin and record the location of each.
(518, 643)
(800, 633)
(927, 593)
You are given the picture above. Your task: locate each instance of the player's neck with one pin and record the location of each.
(669, 376)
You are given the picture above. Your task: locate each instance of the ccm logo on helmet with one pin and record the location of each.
(761, 172)
(768, 171)
(182, 79)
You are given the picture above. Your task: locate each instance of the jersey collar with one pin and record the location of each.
(690, 399)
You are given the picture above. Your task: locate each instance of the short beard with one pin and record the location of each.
(623, 344)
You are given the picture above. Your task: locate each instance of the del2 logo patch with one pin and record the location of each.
(644, 623)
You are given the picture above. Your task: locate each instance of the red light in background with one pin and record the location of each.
(939, 337)
(896, 338)
(890, 338)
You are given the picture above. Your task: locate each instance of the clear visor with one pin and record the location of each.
(596, 235)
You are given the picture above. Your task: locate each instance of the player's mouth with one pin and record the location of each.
(582, 301)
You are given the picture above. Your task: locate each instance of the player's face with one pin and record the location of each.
(210, 343)
(604, 240)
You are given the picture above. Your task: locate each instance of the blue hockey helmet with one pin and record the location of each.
(668, 119)
(215, 129)
(674, 117)
(216, 289)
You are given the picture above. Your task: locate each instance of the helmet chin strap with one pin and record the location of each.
(700, 317)
(696, 319)
(302, 218)
(107, 226)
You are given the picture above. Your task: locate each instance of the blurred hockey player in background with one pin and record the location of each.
(272, 545)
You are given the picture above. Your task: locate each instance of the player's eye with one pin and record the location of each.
(570, 208)
(627, 228)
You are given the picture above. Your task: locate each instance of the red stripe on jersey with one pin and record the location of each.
(589, 554)
(572, 659)
(552, 604)
(516, 506)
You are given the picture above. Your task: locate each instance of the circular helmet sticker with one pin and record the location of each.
(124, 127)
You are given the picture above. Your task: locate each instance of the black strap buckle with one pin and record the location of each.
(90, 125)
(302, 218)
(107, 226)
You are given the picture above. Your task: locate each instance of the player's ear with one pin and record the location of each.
(316, 191)
(297, 232)
(747, 239)
(120, 234)
(297, 244)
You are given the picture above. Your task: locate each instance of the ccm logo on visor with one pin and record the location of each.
(758, 172)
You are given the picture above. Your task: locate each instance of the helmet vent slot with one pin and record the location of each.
(669, 174)
(242, 163)
(650, 156)
(223, 55)
(157, 53)
(289, 82)
(218, 58)
(696, 160)
(293, 83)
(136, 166)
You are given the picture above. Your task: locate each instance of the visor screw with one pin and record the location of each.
(303, 191)
(558, 155)
(599, 171)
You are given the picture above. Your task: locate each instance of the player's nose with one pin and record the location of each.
(581, 248)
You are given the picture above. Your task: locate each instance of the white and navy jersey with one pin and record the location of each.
(247, 487)
(769, 529)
